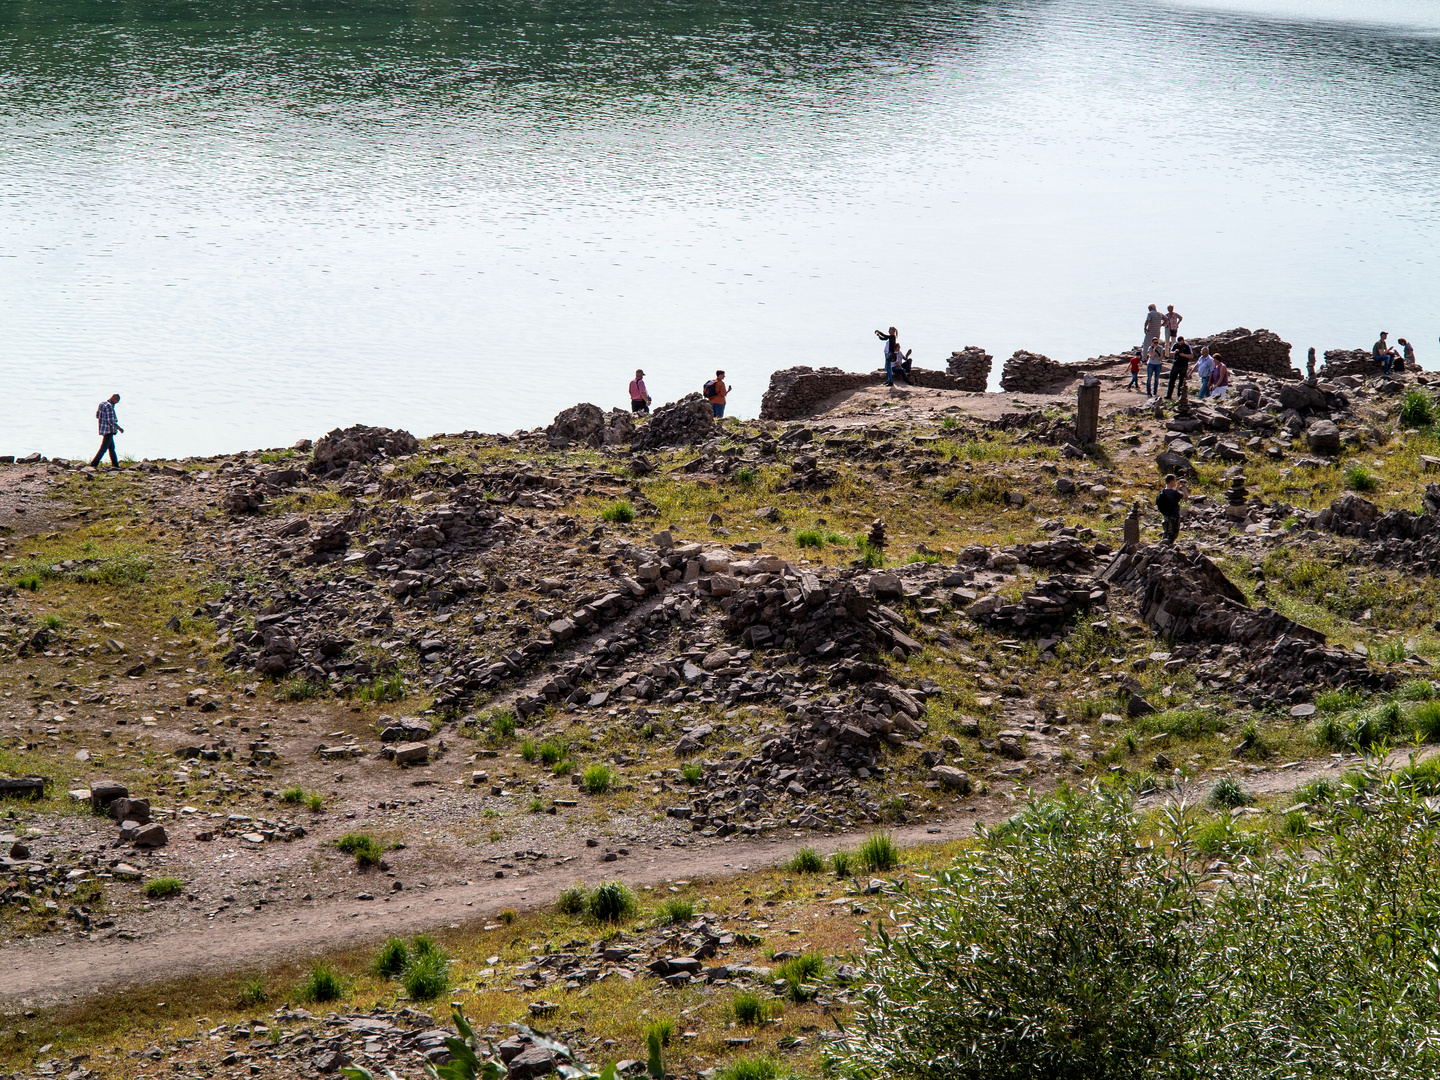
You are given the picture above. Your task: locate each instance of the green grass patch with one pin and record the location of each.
(611, 902)
(363, 846)
(322, 983)
(162, 888)
(597, 779)
(619, 513)
(878, 853)
(806, 861)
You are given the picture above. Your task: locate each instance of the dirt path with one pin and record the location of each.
(43, 972)
(40, 972)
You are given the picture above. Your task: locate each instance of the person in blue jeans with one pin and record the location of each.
(894, 359)
(1154, 366)
(1383, 354)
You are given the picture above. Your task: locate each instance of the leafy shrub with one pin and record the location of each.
(529, 749)
(810, 538)
(162, 888)
(1422, 776)
(1364, 728)
(799, 971)
(677, 910)
(878, 853)
(572, 901)
(552, 751)
(663, 1029)
(692, 772)
(507, 916)
(315, 802)
(393, 958)
(597, 779)
(363, 846)
(1227, 792)
(1296, 824)
(840, 863)
(806, 861)
(745, 476)
(300, 689)
(1393, 651)
(427, 976)
(618, 513)
(611, 902)
(292, 795)
(536, 805)
(1359, 478)
(748, 1008)
(1417, 409)
(1316, 792)
(390, 688)
(29, 583)
(252, 992)
(323, 983)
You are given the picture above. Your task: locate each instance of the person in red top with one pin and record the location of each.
(639, 396)
(715, 391)
(1134, 372)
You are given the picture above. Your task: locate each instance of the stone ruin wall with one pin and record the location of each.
(799, 391)
(971, 366)
(1261, 352)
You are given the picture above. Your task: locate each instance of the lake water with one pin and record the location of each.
(259, 219)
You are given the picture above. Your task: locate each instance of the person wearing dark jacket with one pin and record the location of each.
(1180, 369)
(1168, 503)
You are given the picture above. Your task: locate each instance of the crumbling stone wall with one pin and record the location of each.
(1260, 351)
(1031, 373)
(1352, 362)
(971, 366)
(798, 391)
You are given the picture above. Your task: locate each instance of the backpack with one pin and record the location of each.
(710, 390)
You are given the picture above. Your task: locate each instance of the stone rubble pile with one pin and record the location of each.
(358, 445)
(680, 423)
(1046, 606)
(588, 425)
(1031, 373)
(1261, 351)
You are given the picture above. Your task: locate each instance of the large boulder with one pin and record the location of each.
(1323, 437)
(582, 425)
(1302, 397)
(338, 449)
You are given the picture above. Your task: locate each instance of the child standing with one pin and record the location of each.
(1135, 373)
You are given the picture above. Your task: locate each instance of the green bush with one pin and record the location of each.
(870, 555)
(810, 538)
(162, 888)
(799, 971)
(529, 749)
(745, 476)
(1364, 728)
(878, 853)
(611, 902)
(323, 983)
(393, 958)
(806, 861)
(840, 863)
(1317, 792)
(1417, 409)
(572, 901)
(292, 795)
(363, 846)
(677, 910)
(502, 724)
(1066, 947)
(618, 512)
(553, 751)
(30, 583)
(749, 1009)
(1359, 478)
(662, 1029)
(300, 689)
(315, 802)
(1422, 776)
(692, 772)
(1426, 719)
(1417, 690)
(427, 976)
(597, 780)
(1336, 701)
(391, 688)
(1227, 792)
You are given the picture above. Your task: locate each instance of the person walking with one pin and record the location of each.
(1168, 503)
(1154, 321)
(109, 425)
(1383, 354)
(1180, 369)
(1135, 373)
(715, 391)
(639, 396)
(1173, 320)
(1205, 368)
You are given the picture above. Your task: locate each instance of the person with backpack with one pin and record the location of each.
(715, 391)
(639, 396)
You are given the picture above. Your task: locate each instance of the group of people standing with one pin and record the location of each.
(1214, 375)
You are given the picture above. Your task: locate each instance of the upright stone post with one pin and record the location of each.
(1087, 411)
(1310, 365)
(1132, 528)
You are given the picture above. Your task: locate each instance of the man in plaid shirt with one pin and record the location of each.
(108, 427)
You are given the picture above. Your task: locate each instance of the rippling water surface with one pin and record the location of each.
(259, 219)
